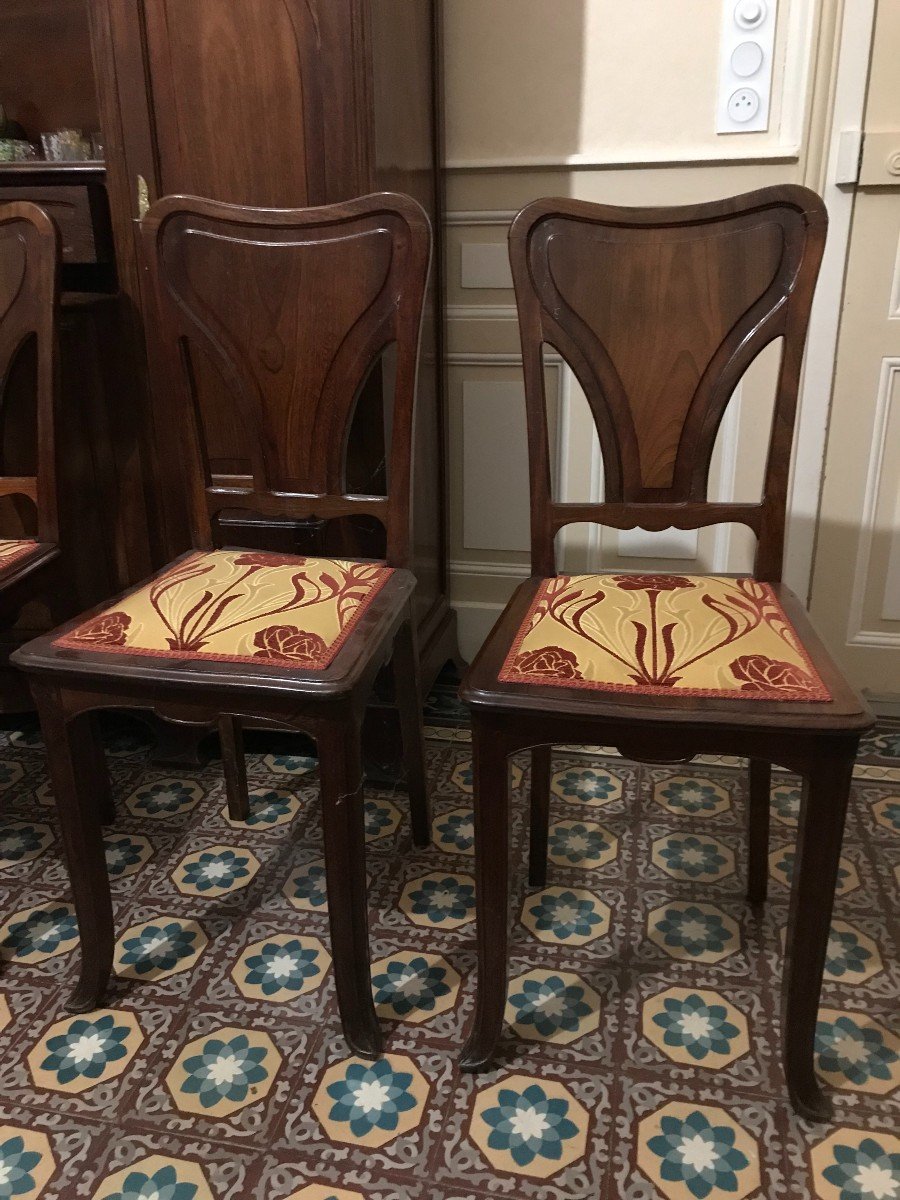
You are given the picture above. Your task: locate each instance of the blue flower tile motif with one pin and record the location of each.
(781, 863)
(269, 808)
(224, 1069)
(685, 856)
(695, 1027)
(529, 1126)
(370, 1103)
(157, 1178)
(10, 772)
(281, 967)
(215, 871)
(689, 796)
(124, 854)
(80, 1052)
(36, 934)
(552, 1006)
(586, 785)
(700, 1148)
(413, 987)
(22, 841)
(26, 1162)
(160, 948)
(306, 887)
(164, 798)
(439, 900)
(856, 1053)
(568, 915)
(581, 844)
(786, 804)
(887, 813)
(290, 764)
(694, 931)
(852, 957)
(27, 738)
(463, 778)
(381, 818)
(858, 1165)
(455, 831)
(882, 743)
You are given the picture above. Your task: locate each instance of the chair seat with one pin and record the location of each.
(15, 551)
(237, 615)
(661, 645)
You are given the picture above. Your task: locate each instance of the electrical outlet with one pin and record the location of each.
(746, 56)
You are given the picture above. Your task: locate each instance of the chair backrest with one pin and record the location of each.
(30, 251)
(286, 311)
(659, 312)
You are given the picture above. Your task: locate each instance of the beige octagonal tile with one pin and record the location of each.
(594, 786)
(26, 1162)
(695, 1027)
(439, 900)
(852, 957)
(887, 813)
(565, 916)
(856, 1053)
(552, 1006)
(529, 1126)
(786, 804)
(381, 818)
(281, 967)
(363, 1103)
(32, 935)
(269, 808)
(156, 1176)
(223, 1071)
(454, 831)
(159, 948)
(79, 1052)
(693, 932)
(163, 799)
(22, 841)
(688, 1150)
(125, 853)
(10, 770)
(324, 1191)
(582, 844)
(691, 796)
(781, 868)
(856, 1163)
(215, 871)
(692, 856)
(413, 986)
(461, 776)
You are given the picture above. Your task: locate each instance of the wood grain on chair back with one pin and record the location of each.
(286, 311)
(29, 293)
(659, 311)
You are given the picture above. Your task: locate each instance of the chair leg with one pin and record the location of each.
(343, 824)
(75, 757)
(826, 790)
(231, 737)
(540, 815)
(491, 798)
(758, 830)
(407, 691)
(100, 773)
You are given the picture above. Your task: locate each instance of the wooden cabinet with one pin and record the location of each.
(283, 103)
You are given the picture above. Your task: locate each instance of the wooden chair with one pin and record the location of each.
(659, 311)
(289, 309)
(31, 568)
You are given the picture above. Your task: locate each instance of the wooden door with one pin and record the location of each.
(855, 598)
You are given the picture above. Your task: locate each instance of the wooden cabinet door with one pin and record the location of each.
(259, 103)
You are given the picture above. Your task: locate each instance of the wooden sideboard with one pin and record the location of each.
(274, 103)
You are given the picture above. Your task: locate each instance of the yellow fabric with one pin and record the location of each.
(239, 606)
(663, 634)
(12, 550)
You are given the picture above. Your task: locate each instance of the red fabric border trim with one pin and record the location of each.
(70, 642)
(506, 674)
(28, 547)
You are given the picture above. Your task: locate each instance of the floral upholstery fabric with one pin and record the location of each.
(661, 634)
(239, 606)
(12, 550)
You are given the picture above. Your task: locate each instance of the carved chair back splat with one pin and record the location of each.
(290, 309)
(659, 312)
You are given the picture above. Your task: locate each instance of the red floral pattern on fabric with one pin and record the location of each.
(552, 661)
(109, 629)
(287, 642)
(758, 673)
(652, 583)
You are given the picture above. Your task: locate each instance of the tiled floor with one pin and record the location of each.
(641, 1059)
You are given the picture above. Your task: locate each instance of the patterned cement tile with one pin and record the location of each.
(640, 1057)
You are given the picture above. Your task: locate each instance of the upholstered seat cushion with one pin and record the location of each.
(13, 550)
(238, 606)
(663, 634)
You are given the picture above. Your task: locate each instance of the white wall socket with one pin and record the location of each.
(746, 55)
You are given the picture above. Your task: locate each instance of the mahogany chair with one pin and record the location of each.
(290, 309)
(659, 311)
(31, 568)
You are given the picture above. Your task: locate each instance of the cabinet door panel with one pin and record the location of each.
(248, 96)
